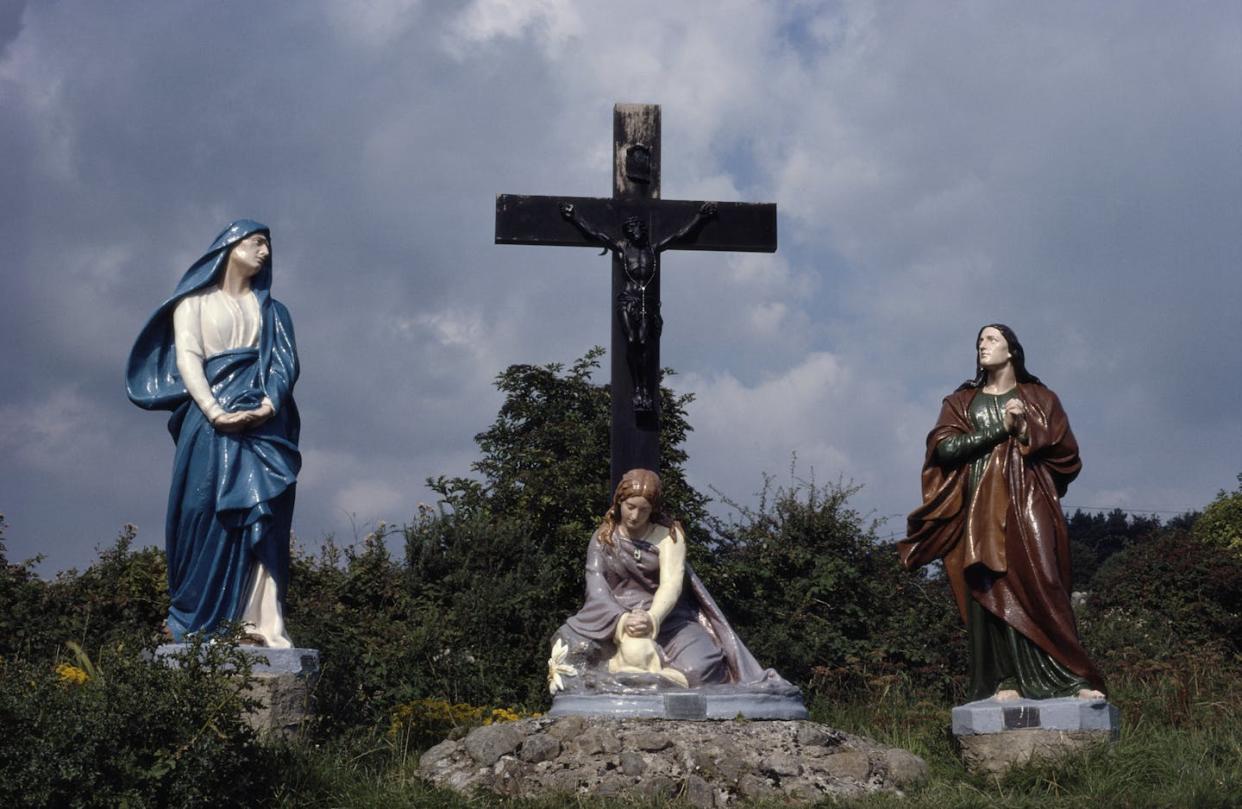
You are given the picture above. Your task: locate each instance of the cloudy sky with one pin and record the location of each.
(1072, 169)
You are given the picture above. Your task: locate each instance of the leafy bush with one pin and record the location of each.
(1169, 595)
(127, 730)
(1221, 522)
(123, 593)
(353, 605)
(24, 614)
(815, 595)
(1094, 538)
(546, 458)
(421, 723)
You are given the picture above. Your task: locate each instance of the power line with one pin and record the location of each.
(1109, 509)
(1137, 510)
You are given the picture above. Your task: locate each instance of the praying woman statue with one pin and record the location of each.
(219, 353)
(998, 461)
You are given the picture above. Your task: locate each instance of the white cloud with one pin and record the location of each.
(47, 433)
(373, 24)
(374, 497)
(552, 22)
(766, 318)
(454, 329)
(1062, 168)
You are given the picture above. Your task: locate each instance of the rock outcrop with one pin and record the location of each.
(710, 764)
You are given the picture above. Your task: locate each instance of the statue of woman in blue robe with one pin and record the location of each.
(220, 354)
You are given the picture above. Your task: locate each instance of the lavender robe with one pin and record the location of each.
(695, 638)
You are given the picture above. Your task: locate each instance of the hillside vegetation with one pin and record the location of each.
(444, 622)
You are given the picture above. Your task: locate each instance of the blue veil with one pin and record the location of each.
(151, 377)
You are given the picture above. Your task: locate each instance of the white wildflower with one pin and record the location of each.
(557, 666)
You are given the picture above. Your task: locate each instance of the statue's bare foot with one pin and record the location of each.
(251, 639)
(1090, 693)
(1006, 695)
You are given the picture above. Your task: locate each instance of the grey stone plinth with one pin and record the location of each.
(715, 765)
(1068, 714)
(282, 681)
(993, 736)
(997, 752)
(681, 705)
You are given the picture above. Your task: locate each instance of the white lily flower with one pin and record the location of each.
(557, 667)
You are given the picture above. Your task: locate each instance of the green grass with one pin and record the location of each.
(1180, 746)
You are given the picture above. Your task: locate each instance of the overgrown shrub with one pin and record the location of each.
(545, 467)
(123, 593)
(815, 595)
(1221, 522)
(125, 730)
(463, 617)
(1165, 597)
(354, 606)
(1094, 538)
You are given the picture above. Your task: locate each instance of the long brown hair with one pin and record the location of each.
(1017, 356)
(636, 483)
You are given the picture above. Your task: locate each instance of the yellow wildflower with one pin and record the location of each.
(71, 674)
(504, 715)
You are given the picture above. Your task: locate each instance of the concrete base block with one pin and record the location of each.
(283, 682)
(284, 703)
(994, 736)
(997, 752)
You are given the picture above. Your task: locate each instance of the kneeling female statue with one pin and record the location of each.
(648, 623)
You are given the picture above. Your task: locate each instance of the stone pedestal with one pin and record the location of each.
(709, 765)
(688, 705)
(283, 681)
(994, 736)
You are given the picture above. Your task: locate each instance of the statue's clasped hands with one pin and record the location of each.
(1015, 417)
(243, 420)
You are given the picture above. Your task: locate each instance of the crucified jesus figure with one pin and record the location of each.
(638, 311)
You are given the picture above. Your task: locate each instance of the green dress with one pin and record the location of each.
(1000, 656)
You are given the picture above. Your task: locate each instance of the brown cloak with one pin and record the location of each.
(1007, 546)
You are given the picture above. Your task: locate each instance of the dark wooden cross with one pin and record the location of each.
(636, 226)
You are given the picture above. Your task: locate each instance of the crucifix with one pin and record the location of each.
(636, 226)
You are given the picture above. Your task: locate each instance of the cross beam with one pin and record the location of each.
(636, 226)
(746, 227)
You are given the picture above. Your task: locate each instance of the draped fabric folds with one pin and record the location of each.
(230, 505)
(695, 638)
(1006, 546)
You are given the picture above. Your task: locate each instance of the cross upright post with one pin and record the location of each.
(636, 226)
